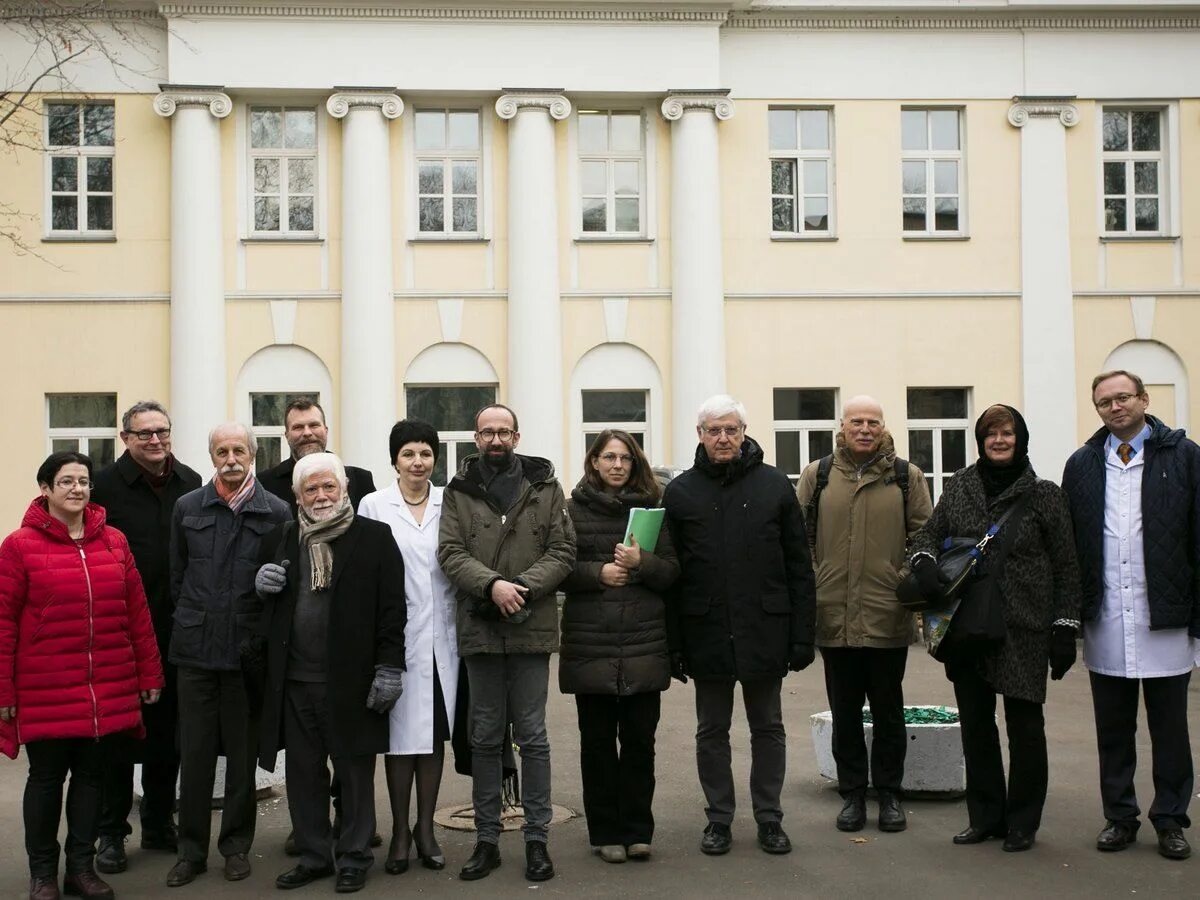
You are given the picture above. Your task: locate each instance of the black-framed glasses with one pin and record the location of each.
(488, 435)
(161, 433)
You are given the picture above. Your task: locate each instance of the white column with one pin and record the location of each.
(198, 399)
(535, 365)
(368, 373)
(697, 277)
(1047, 301)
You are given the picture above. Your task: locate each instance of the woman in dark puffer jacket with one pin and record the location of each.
(77, 660)
(614, 654)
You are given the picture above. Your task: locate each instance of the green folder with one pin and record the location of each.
(644, 524)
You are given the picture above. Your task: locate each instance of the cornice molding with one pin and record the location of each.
(340, 103)
(478, 14)
(513, 100)
(997, 21)
(171, 98)
(1026, 108)
(678, 102)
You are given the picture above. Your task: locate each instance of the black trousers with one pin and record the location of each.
(159, 755)
(49, 763)
(989, 804)
(307, 737)
(616, 761)
(1115, 701)
(854, 675)
(216, 716)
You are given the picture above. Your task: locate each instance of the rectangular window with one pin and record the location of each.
(449, 167)
(451, 410)
(80, 146)
(801, 142)
(612, 159)
(931, 171)
(938, 426)
(1135, 174)
(267, 414)
(85, 423)
(283, 166)
(623, 410)
(806, 421)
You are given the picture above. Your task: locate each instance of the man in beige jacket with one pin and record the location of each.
(860, 522)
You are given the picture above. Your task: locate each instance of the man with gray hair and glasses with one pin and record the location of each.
(215, 536)
(743, 610)
(138, 493)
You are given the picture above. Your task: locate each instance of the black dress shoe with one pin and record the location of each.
(110, 857)
(395, 864)
(773, 839)
(1172, 844)
(484, 858)
(1116, 835)
(300, 876)
(891, 813)
(538, 866)
(854, 814)
(350, 880)
(973, 835)
(1017, 840)
(435, 861)
(185, 872)
(716, 840)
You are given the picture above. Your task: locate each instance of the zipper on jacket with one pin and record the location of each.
(91, 639)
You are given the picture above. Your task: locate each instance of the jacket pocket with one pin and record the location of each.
(187, 637)
(779, 604)
(200, 533)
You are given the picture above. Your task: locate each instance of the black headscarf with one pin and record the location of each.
(998, 478)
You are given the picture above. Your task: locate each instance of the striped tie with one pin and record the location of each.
(1125, 451)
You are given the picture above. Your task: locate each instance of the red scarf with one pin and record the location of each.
(235, 498)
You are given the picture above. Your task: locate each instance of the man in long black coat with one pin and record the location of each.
(138, 493)
(744, 610)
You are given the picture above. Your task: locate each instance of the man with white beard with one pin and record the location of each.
(216, 531)
(331, 679)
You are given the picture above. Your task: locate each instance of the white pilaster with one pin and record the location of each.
(697, 277)
(368, 372)
(535, 373)
(1047, 301)
(198, 386)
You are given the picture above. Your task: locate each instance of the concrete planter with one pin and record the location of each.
(934, 762)
(264, 782)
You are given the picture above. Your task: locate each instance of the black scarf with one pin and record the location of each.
(502, 485)
(999, 478)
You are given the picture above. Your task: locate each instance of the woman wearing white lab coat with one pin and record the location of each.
(421, 719)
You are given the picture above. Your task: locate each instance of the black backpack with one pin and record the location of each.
(824, 467)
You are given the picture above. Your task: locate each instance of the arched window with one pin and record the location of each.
(268, 381)
(615, 385)
(1164, 374)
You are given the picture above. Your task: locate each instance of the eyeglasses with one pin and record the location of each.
(487, 435)
(67, 483)
(1118, 400)
(161, 433)
(611, 458)
(728, 431)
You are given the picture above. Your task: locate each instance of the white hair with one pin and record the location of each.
(316, 463)
(719, 406)
(251, 440)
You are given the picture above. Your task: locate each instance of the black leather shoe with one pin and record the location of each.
(484, 858)
(164, 839)
(854, 814)
(1172, 844)
(773, 839)
(891, 813)
(1116, 836)
(350, 880)
(300, 876)
(110, 857)
(716, 840)
(973, 835)
(538, 866)
(185, 872)
(237, 867)
(435, 861)
(1017, 840)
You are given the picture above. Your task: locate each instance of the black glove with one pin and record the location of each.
(801, 657)
(929, 579)
(678, 667)
(1062, 650)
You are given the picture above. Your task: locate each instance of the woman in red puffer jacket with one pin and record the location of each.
(77, 660)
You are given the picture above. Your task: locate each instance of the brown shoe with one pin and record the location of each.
(43, 887)
(87, 884)
(237, 867)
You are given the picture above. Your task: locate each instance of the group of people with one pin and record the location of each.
(301, 610)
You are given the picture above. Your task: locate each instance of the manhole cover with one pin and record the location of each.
(462, 818)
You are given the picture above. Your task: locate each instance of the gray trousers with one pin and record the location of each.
(509, 687)
(768, 747)
(306, 737)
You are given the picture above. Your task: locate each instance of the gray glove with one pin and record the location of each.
(385, 689)
(271, 579)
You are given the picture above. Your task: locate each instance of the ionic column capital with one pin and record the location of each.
(513, 100)
(678, 102)
(171, 97)
(1025, 108)
(345, 99)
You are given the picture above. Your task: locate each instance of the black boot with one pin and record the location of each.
(891, 812)
(110, 857)
(484, 858)
(538, 866)
(854, 813)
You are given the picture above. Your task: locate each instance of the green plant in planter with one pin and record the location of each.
(923, 715)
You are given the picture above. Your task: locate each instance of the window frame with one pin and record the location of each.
(803, 427)
(81, 152)
(1168, 179)
(632, 427)
(610, 158)
(930, 157)
(83, 435)
(798, 156)
(937, 426)
(451, 439)
(648, 210)
(414, 156)
(284, 155)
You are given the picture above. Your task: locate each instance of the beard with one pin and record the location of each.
(319, 512)
(307, 447)
(499, 458)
